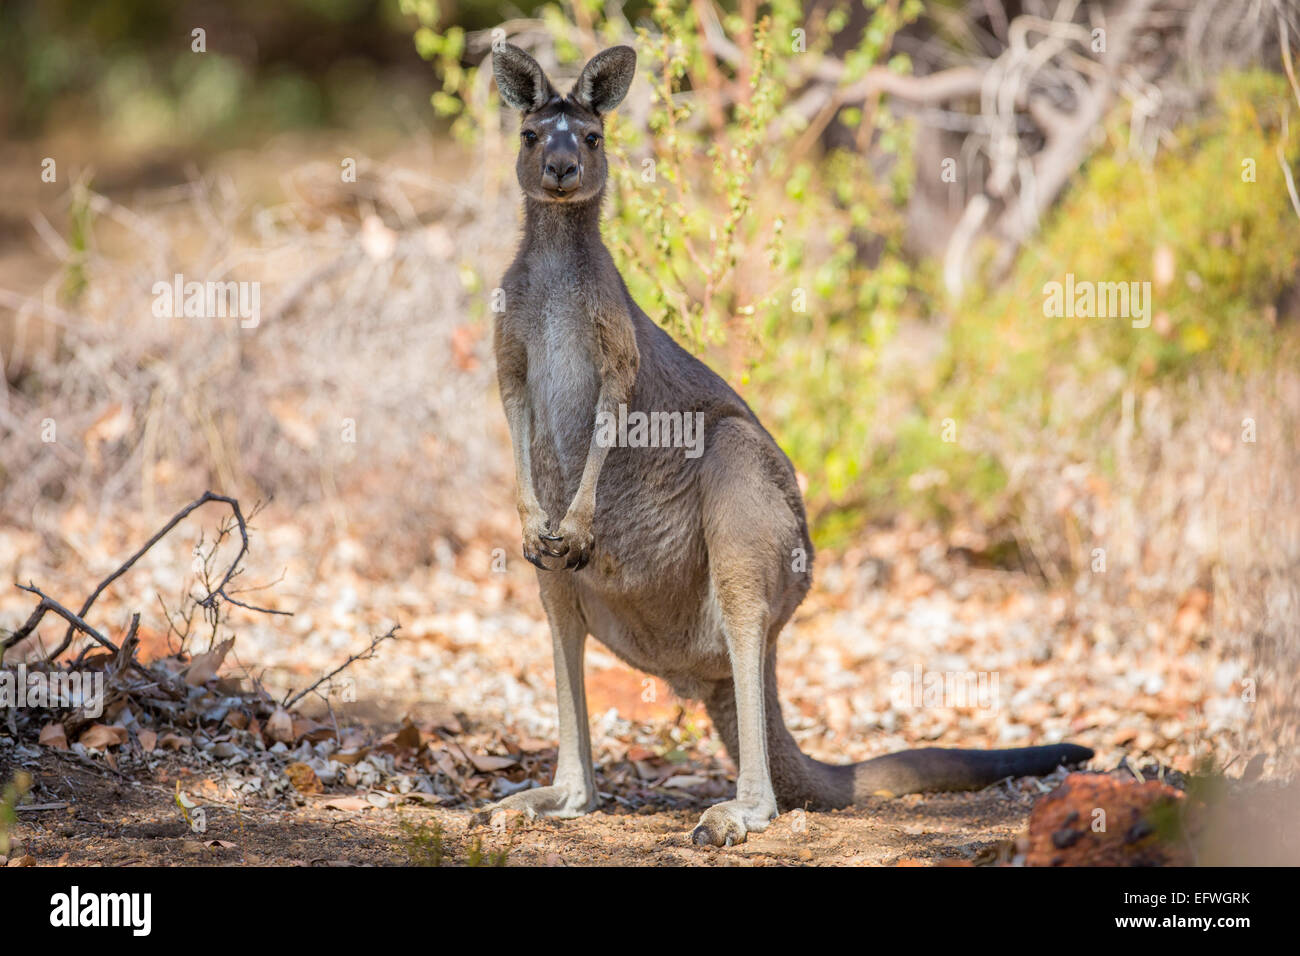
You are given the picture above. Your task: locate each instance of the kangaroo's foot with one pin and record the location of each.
(557, 802)
(726, 824)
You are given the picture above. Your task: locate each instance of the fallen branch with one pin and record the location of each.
(365, 655)
(178, 706)
(209, 601)
(76, 623)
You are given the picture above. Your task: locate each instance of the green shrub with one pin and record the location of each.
(11, 795)
(423, 843)
(1014, 379)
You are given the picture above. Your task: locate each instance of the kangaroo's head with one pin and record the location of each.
(562, 138)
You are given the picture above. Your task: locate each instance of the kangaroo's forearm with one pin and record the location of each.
(519, 419)
(619, 362)
(584, 499)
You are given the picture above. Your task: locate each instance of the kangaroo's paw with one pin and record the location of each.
(568, 549)
(559, 803)
(575, 539)
(541, 547)
(726, 824)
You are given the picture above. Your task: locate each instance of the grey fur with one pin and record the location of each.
(683, 567)
(520, 79)
(605, 79)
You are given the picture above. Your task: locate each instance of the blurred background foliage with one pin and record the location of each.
(1223, 264)
(127, 69)
(781, 245)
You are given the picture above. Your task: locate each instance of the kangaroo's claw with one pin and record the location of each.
(552, 552)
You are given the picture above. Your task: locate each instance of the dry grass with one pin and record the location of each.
(372, 327)
(1196, 516)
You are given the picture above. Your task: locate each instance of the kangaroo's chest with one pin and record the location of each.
(563, 387)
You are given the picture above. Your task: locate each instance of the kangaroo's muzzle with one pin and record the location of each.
(562, 174)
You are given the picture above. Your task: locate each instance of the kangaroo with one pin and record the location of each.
(682, 565)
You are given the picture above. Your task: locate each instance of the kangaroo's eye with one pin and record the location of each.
(593, 140)
(529, 137)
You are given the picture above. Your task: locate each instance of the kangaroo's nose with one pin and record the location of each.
(561, 174)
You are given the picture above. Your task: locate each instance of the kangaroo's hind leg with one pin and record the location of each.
(573, 792)
(750, 532)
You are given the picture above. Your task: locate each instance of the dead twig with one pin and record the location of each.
(209, 601)
(365, 655)
(76, 623)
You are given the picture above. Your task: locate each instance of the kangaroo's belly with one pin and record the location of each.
(647, 594)
(680, 641)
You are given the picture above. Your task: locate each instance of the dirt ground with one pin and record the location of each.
(459, 710)
(137, 823)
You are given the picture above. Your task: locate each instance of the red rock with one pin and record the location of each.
(1100, 820)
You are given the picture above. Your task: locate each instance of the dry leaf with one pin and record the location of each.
(685, 781)
(148, 740)
(313, 730)
(445, 764)
(100, 736)
(53, 735)
(425, 798)
(354, 740)
(279, 726)
(204, 666)
(303, 778)
(455, 751)
(408, 736)
(347, 803)
(487, 763)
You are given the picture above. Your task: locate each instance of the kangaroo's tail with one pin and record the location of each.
(934, 768)
(801, 781)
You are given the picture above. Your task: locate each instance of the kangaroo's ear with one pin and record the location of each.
(522, 81)
(605, 79)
